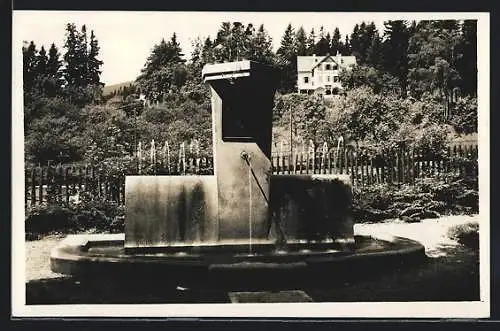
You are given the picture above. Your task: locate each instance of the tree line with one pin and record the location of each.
(413, 57)
(414, 80)
(56, 87)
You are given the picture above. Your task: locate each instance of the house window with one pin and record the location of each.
(335, 67)
(335, 79)
(327, 78)
(328, 67)
(306, 79)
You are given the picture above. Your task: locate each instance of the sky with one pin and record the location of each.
(127, 38)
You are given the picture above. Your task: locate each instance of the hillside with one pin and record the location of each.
(108, 89)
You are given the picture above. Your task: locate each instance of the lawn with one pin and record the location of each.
(450, 274)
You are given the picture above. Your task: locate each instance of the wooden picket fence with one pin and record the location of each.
(63, 183)
(398, 166)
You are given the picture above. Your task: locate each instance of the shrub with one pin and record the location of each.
(466, 234)
(428, 198)
(47, 219)
(101, 216)
(96, 215)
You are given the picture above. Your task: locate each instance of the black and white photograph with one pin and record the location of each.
(250, 164)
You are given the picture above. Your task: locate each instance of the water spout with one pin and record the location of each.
(246, 157)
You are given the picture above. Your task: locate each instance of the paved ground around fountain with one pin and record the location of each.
(450, 274)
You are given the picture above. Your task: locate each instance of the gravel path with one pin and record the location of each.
(38, 258)
(430, 232)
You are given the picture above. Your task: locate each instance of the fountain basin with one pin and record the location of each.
(104, 255)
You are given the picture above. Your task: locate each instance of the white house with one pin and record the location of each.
(315, 72)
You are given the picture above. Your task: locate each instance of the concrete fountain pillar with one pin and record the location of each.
(242, 203)
(242, 104)
(230, 207)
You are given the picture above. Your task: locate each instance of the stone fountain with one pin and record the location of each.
(241, 224)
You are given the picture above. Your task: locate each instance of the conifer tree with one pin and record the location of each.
(260, 47)
(345, 48)
(93, 63)
(29, 65)
(301, 42)
(467, 62)
(54, 63)
(163, 71)
(41, 62)
(335, 43)
(322, 47)
(287, 57)
(75, 62)
(374, 56)
(396, 51)
(311, 42)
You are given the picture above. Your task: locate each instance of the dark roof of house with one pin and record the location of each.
(308, 63)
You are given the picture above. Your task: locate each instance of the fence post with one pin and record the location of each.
(153, 155)
(59, 177)
(197, 152)
(296, 160)
(377, 168)
(50, 184)
(353, 165)
(312, 149)
(66, 181)
(364, 170)
(27, 187)
(139, 158)
(182, 158)
(412, 166)
(33, 187)
(99, 186)
(283, 159)
(324, 153)
(461, 159)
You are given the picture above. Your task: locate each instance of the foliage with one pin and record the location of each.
(380, 82)
(396, 51)
(430, 59)
(466, 234)
(52, 131)
(428, 198)
(164, 70)
(54, 92)
(463, 115)
(287, 59)
(81, 62)
(308, 117)
(101, 216)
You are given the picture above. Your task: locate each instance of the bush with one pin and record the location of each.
(101, 216)
(428, 198)
(48, 219)
(97, 215)
(466, 234)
